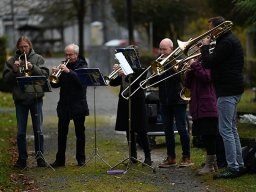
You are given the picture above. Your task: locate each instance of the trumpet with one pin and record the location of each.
(112, 75)
(24, 69)
(54, 78)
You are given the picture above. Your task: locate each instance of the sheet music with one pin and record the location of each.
(124, 63)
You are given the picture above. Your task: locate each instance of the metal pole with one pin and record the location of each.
(130, 21)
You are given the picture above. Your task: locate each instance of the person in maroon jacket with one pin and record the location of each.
(203, 109)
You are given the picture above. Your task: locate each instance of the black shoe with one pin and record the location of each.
(134, 161)
(81, 163)
(227, 174)
(148, 161)
(57, 164)
(242, 170)
(41, 163)
(21, 163)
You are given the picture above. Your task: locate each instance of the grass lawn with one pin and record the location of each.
(246, 183)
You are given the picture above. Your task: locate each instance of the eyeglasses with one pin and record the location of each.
(24, 46)
(69, 55)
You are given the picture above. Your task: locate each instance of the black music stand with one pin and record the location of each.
(132, 61)
(35, 85)
(92, 77)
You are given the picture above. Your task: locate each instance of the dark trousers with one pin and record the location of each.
(144, 142)
(63, 126)
(210, 144)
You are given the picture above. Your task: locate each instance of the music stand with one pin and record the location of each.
(35, 85)
(126, 67)
(92, 77)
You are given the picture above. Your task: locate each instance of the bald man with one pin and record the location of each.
(173, 111)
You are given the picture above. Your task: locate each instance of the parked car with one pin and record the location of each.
(155, 123)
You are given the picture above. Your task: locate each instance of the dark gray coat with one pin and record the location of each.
(39, 69)
(72, 102)
(138, 107)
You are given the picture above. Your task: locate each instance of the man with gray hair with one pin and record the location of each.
(72, 104)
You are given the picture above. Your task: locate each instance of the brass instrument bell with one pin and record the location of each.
(54, 78)
(24, 68)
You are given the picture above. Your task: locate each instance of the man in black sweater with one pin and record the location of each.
(226, 63)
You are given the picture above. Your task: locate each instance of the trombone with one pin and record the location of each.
(129, 86)
(24, 69)
(212, 33)
(185, 47)
(158, 68)
(176, 67)
(54, 78)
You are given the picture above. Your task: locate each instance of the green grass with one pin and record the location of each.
(93, 177)
(7, 132)
(247, 105)
(6, 100)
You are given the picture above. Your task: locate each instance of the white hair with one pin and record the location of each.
(74, 47)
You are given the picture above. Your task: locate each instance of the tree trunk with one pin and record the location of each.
(81, 15)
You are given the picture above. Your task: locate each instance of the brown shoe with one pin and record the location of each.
(185, 162)
(168, 162)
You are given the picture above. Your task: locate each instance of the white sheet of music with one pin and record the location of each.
(124, 63)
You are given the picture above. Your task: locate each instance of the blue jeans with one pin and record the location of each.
(177, 114)
(228, 130)
(22, 119)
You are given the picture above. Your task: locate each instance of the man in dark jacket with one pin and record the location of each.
(72, 104)
(226, 63)
(26, 102)
(173, 110)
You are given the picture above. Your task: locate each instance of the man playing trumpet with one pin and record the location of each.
(25, 102)
(72, 104)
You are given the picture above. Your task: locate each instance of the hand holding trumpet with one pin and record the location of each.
(62, 67)
(118, 70)
(23, 66)
(56, 71)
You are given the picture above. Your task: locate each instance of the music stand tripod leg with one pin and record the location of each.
(95, 152)
(130, 158)
(39, 154)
